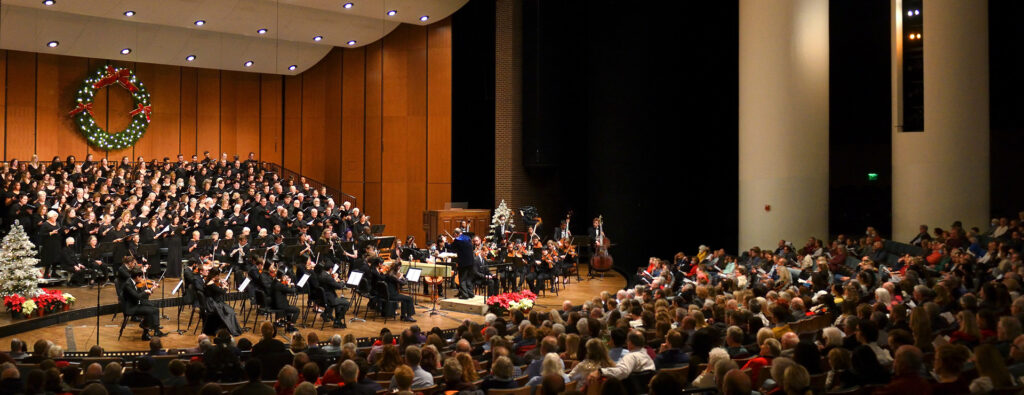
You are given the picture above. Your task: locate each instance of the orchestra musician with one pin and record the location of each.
(480, 272)
(540, 269)
(220, 314)
(338, 305)
(136, 302)
(69, 262)
(464, 248)
(394, 280)
(238, 258)
(280, 287)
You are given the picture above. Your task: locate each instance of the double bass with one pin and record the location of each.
(601, 261)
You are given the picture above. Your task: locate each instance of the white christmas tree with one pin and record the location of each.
(17, 264)
(498, 212)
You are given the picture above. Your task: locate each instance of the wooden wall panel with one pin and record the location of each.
(228, 111)
(314, 107)
(270, 118)
(99, 108)
(21, 105)
(353, 112)
(373, 121)
(372, 130)
(332, 117)
(3, 99)
(189, 107)
(47, 103)
(247, 112)
(293, 122)
(208, 112)
(439, 103)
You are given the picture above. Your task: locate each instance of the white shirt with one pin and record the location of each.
(633, 362)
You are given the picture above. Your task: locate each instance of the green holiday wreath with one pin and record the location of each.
(140, 112)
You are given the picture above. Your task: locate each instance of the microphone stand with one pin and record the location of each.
(160, 281)
(98, 313)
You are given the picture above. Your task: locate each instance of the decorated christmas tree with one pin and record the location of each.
(502, 210)
(17, 265)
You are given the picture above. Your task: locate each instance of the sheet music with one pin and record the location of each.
(175, 291)
(354, 278)
(302, 281)
(334, 269)
(245, 283)
(413, 275)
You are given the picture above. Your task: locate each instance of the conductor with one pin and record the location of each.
(463, 246)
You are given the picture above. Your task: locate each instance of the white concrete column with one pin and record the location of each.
(941, 175)
(783, 121)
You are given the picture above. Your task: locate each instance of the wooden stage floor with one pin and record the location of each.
(80, 335)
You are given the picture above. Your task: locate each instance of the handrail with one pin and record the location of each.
(269, 166)
(285, 173)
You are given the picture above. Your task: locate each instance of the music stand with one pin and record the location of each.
(581, 243)
(518, 236)
(291, 253)
(384, 243)
(354, 278)
(377, 229)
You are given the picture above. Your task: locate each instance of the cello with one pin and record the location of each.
(601, 261)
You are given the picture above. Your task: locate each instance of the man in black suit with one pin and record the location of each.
(279, 291)
(464, 248)
(394, 285)
(136, 302)
(334, 303)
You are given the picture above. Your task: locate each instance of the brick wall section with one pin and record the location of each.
(510, 180)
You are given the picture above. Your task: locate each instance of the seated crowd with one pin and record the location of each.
(941, 318)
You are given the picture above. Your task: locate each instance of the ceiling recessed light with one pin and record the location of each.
(129, 13)
(126, 51)
(200, 22)
(261, 31)
(53, 44)
(318, 38)
(424, 18)
(351, 42)
(348, 5)
(49, 2)
(248, 63)
(190, 58)
(392, 12)
(292, 67)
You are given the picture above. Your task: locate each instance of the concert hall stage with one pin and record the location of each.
(75, 330)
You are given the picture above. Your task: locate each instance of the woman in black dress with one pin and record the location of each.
(173, 244)
(219, 314)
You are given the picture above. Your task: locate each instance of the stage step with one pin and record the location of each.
(476, 305)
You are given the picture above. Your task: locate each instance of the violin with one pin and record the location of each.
(145, 284)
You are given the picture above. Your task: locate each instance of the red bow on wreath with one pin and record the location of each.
(120, 76)
(86, 107)
(141, 109)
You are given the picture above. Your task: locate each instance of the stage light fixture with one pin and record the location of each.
(424, 18)
(348, 5)
(351, 42)
(53, 44)
(392, 12)
(126, 51)
(248, 63)
(200, 22)
(129, 13)
(292, 67)
(318, 38)
(190, 58)
(261, 31)
(49, 2)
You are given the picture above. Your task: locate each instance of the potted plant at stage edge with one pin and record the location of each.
(503, 303)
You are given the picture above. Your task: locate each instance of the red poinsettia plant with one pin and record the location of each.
(47, 301)
(14, 302)
(512, 299)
